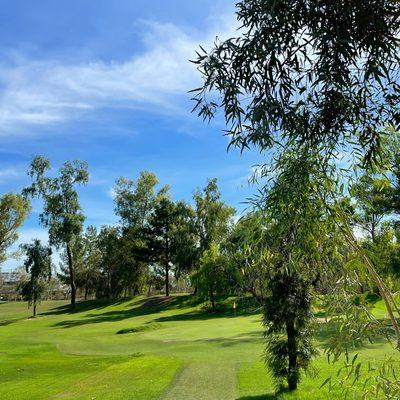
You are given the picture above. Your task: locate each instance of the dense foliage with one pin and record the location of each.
(38, 265)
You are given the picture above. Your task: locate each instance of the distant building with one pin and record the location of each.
(10, 281)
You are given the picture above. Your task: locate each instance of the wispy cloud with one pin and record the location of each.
(7, 174)
(45, 92)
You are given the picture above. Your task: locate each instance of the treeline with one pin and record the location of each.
(157, 243)
(161, 244)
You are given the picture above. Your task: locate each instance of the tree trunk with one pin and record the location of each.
(292, 351)
(86, 292)
(108, 286)
(34, 304)
(212, 300)
(71, 276)
(167, 279)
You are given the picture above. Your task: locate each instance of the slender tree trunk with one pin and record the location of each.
(292, 351)
(86, 292)
(108, 285)
(167, 266)
(34, 304)
(71, 276)
(166, 279)
(212, 300)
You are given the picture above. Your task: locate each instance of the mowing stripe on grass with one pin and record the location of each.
(200, 380)
(141, 378)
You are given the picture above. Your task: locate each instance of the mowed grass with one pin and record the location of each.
(175, 350)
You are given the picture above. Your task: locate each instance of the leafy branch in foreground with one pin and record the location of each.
(364, 380)
(320, 73)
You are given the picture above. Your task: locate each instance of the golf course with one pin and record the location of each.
(147, 348)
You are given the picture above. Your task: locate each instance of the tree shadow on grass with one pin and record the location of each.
(202, 315)
(82, 306)
(238, 340)
(260, 397)
(267, 396)
(140, 307)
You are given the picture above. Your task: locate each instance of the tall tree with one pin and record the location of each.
(184, 245)
(87, 255)
(38, 266)
(62, 213)
(134, 204)
(13, 211)
(169, 238)
(89, 274)
(284, 250)
(213, 216)
(134, 201)
(108, 244)
(320, 76)
(373, 196)
(160, 232)
(302, 72)
(211, 278)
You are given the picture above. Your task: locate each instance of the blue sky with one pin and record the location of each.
(106, 82)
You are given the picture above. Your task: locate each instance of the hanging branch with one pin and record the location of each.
(383, 290)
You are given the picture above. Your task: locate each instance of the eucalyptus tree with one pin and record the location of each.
(168, 237)
(87, 255)
(210, 278)
(184, 245)
(299, 245)
(108, 241)
(13, 211)
(134, 200)
(89, 274)
(38, 265)
(297, 72)
(62, 213)
(132, 264)
(245, 249)
(373, 202)
(212, 216)
(212, 222)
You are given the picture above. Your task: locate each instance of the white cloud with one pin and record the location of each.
(7, 174)
(45, 92)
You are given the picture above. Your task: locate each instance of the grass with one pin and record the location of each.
(148, 327)
(175, 350)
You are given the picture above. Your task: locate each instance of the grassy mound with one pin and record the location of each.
(142, 328)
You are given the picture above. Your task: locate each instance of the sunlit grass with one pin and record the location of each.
(176, 350)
